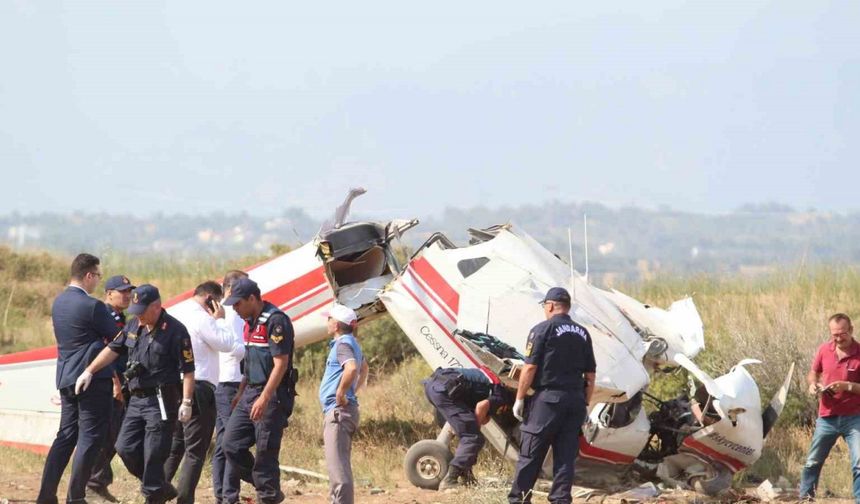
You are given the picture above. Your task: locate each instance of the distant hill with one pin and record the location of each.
(626, 242)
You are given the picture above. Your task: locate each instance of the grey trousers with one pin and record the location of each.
(339, 426)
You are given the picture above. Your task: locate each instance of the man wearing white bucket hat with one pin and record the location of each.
(345, 372)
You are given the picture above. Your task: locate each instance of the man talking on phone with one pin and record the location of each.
(835, 378)
(204, 319)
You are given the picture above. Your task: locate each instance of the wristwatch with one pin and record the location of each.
(186, 402)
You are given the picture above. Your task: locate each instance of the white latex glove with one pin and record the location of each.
(519, 409)
(185, 411)
(83, 382)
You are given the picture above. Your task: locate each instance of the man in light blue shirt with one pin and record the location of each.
(345, 372)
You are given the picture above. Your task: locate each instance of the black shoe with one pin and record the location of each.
(468, 478)
(452, 478)
(169, 492)
(279, 498)
(103, 492)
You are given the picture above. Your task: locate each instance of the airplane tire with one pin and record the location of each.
(718, 480)
(426, 463)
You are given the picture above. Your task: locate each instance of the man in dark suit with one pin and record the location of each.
(82, 328)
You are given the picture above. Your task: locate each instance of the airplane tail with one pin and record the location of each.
(771, 414)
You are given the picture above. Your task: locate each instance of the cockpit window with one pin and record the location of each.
(469, 266)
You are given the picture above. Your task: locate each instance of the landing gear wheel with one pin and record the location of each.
(717, 479)
(426, 463)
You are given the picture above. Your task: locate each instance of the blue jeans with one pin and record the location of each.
(827, 431)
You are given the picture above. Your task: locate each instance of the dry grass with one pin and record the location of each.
(785, 453)
(778, 318)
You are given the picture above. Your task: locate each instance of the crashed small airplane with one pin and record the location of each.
(441, 299)
(492, 287)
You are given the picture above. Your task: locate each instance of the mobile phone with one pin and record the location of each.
(210, 303)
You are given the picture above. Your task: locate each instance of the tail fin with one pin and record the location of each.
(771, 414)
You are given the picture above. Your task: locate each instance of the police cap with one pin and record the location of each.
(141, 297)
(118, 283)
(242, 289)
(558, 294)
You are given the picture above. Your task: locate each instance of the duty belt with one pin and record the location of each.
(144, 392)
(572, 387)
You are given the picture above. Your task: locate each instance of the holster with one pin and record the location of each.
(455, 386)
(292, 379)
(172, 394)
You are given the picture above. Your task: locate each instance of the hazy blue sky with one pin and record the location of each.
(187, 106)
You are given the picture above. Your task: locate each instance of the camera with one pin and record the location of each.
(133, 370)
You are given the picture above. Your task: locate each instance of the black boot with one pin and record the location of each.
(451, 479)
(468, 478)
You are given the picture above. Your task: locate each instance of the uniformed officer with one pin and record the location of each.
(117, 298)
(158, 349)
(559, 365)
(82, 328)
(466, 397)
(265, 396)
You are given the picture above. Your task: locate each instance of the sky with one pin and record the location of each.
(195, 107)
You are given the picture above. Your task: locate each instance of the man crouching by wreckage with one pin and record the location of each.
(560, 366)
(466, 398)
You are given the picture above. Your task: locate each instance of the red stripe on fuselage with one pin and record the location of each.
(175, 300)
(442, 289)
(298, 287)
(39, 449)
(439, 290)
(706, 451)
(465, 352)
(302, 299)
(311, 310)
(37, 354)
(593, 452)
(278, 297)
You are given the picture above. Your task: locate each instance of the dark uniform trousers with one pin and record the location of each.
(192, 440)
(241, 433)
(102, 476)
(224, 394)
(144, 443)
(83, 422)
(462, 419)
(554, 419)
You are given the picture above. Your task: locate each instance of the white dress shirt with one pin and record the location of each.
(229, 361)
(209, 337)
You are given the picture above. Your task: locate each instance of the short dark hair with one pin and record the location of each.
(839, 317)
(82, 264)
(231, 276)
(209, 288)
(344, 328)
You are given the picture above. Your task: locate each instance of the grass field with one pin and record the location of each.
(779, 318)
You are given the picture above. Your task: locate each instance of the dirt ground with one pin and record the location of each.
(23, 488)
(20, 477)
